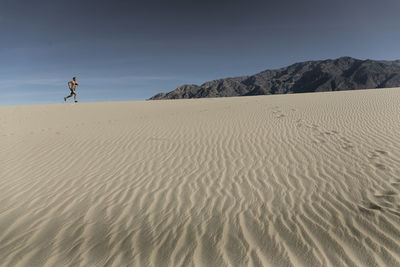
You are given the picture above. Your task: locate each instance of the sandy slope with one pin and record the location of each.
(285, 180)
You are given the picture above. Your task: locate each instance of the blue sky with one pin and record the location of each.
(131, 50)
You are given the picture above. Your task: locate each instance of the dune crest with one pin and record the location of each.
(283, 180)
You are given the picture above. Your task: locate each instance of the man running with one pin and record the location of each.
(72, 85)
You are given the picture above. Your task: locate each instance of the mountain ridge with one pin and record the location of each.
(344, 73)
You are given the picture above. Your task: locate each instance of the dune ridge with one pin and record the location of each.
(281, 180)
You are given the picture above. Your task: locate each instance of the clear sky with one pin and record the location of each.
(131, 50)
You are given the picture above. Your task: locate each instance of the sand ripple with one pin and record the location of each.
(288, 180)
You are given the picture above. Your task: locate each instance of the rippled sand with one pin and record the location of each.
(285, 180)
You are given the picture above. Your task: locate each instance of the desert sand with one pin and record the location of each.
(281, 180)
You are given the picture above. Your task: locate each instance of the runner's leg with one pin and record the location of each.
(71, 94)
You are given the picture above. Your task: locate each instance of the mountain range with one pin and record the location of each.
(344, 73)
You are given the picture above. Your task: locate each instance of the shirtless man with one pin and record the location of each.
(72, 85)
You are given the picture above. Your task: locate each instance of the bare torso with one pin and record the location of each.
(72, 85)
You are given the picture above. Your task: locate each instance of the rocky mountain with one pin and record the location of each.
(344, 73)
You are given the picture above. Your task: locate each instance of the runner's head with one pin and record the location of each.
(74, 78)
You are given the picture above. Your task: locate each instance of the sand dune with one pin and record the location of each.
(283, 180)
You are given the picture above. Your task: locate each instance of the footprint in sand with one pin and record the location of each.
(388, 196)
(390, 193)
(388, 199)
(395, 184)
(374, 206)
(380, 166)
(373, 155)
(377, 152)
(370, 208)
(318, 141)
(381, 152)
(347, 147)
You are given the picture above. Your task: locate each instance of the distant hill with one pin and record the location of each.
(344, 73)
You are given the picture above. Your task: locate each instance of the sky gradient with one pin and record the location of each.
(131, 50)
